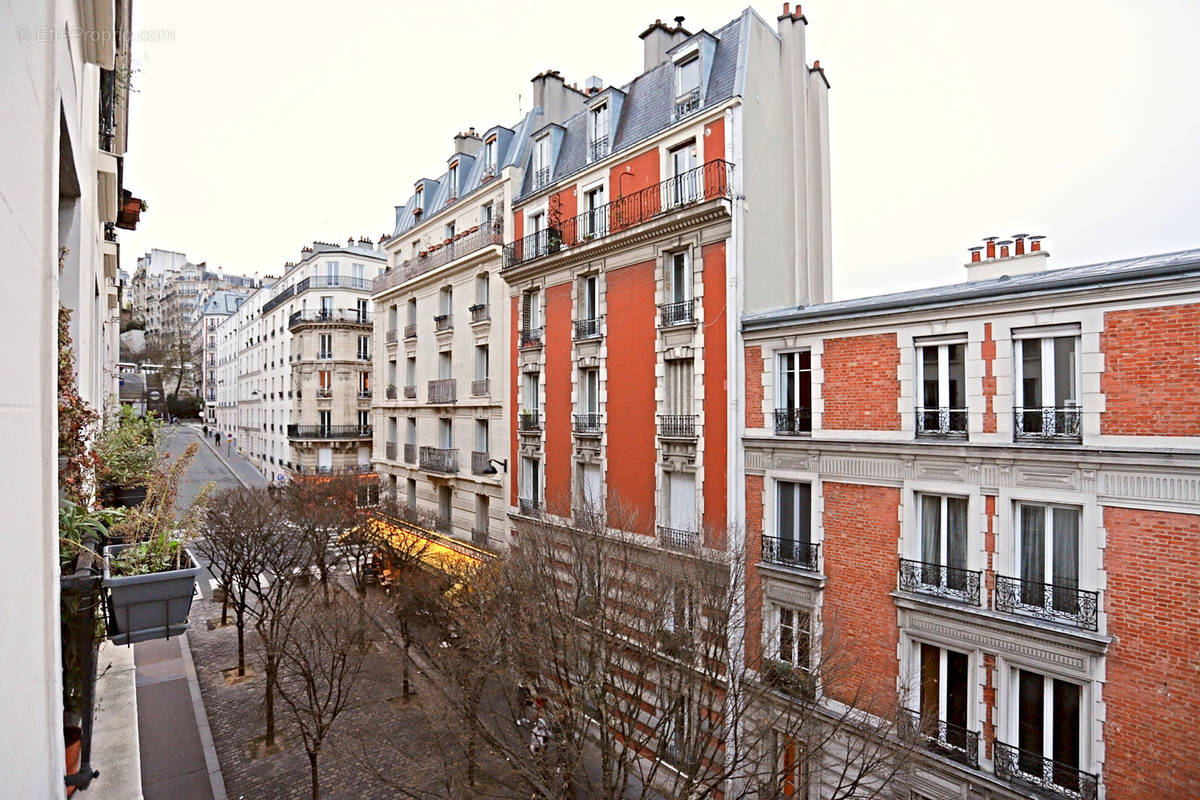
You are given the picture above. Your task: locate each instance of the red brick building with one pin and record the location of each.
(986, 496)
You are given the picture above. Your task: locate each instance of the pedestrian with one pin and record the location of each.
(205, 429)
(539, 737)
(218, 435)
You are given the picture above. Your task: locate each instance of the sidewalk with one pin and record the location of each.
(242, 469)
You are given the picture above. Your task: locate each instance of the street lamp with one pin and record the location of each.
(490, 470)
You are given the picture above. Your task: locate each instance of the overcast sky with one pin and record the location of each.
(260, 126)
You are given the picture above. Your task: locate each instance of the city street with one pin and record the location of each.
(207, 466)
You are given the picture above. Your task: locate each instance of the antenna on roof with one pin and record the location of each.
(520, 110)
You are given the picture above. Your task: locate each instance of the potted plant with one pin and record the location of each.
(151, 576)
(788, 679)
(127, 453)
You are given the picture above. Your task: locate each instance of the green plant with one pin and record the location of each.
(127, 448)
(75, 523)
(76, 421)
(159, 539)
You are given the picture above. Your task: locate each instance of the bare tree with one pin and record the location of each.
(322, 511)
(318, 669)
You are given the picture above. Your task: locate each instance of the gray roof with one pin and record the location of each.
(223, 302)
(1154, 267)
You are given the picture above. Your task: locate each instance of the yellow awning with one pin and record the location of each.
(448, 556)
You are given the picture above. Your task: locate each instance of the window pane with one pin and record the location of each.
(929, 377)
(787, 517)
(787, 381)
(1030, 736)
(956, 534)
(1031, 375)
(930, 680)
(786, 629)
(931, 532)
(956, 691)
(1033, 549)
(1066, 560)
(803, 513)
(1065, 719)
(1065, 394)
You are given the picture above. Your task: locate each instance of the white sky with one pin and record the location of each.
(263, 125)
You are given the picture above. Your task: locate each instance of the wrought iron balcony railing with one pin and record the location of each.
(389, 451)
(686, 104)
(315, 282)
(324, 392)
(952, 741)
(587, 328)
(793, 421)
(324, 355)
(1034, 771)
(951, 583)
(541, 177)
(410, 453)
(329, 431)
(410, 330)
(598, 148)
(480, 387)
(531, 337)
(480, 463)
(529, 421)
(439, 459)
(342, 316)
(392, 336)
(678, 539)
(364, 394)
(709, 181)
(1060, 603)
(480, 312)
(682, 312)
(530, 506)
(677, 426)
(390, 392)
(443, 322)
(588, 422)
(1052, 424)
(410, 392)
(790, 553)
(941, 421)
(443, 390)
(467, 242)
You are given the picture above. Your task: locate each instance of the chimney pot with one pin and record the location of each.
(679, 21)
(797, 14)
(787, 9)
(975, 254)
(817, 64)
(1035, 243)
(1020, 247)
(1004, 247)
(991, 246)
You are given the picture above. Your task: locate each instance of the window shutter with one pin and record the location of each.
(526, 304)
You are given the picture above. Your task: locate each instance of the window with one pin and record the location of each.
(679, 278)
(1048, 560)
(943, 699)
(452, 181)
(792, 543)
(445, 365)
(589, 391)
(1047, 380)
(1049, 723)
(479, 534)
(489, 156)
(410, 430)
(941, 378)
(324, 420)
(364, 348)
(481, 362)
(364, 316)
(684, 186)
(541, 162)
(446, 433)
(589, 297)
(482, 287)
(793, 411)
(481, 435)
(419, 199)
(679, 615)
(364, 420)
(681, 501)
(598, 132)
(541, 236)
(531, 310)
(678, 726)
(331, 269)
(687, 86)
(324, 382)
(529, 392)
(679, 387)
(391, 372)
(487, 215)
(327, 301)
(943, 547)
(789, 768)
(591, 497)
(793, 636)
(325, 345)
(364, 384)
(412, 313)
(411, 493)
(596, 219)
(531, 481)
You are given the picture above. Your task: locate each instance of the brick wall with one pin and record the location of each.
(1152, 687)
(988, 351)
(1151, 379)
(559, 464)
(754, 387)
(862, 532)
(514, 468)
(861, 388)
(754, 532)
(716, 409)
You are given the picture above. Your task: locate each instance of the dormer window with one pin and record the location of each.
(541, 162)
(489, 156)
(419, 200)
(452, 180)
(687, 86)
(598, 140)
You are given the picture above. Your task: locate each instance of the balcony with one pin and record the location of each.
(943, 737)
(598, 148)
(941, 422)
(443, 390)
(467, 242)
(588, 423)
(677, 426)
(392, 336)
(364, 394)
(1046, 424)
(679, 313)
(687, 103)
(541, 177)
(709, 181)
(531, 337)
(324, 392)
(793, 421)
(1063, 604)
(480, 464)
(948, 583)
(439, 459)
(480, 387)
(529, 421)
(389, 451)
(410, 453)
(443, 322)
(789, 553)
(390, 392)
(329, 431)
(677, 539)
(1043, 775)
(410, 331)
(530, 506)
(587, 328)
(338, 316)
(410, 392)
(480, 312)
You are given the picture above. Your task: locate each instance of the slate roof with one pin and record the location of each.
(1153, 267)
(223, 302)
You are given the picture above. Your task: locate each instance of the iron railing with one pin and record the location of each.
(480, 463)
(678, 539)
(587, 328)
(410, 392)
(1035, 771)
(951, 583)
(390, 392)
(324, 355)
(466, 243)
(344, 316)
(329, 431)
(480, 312)
(793, 421)
(315, 282)
(687, 103)
(364, 394)
(530, 506)
(541, 177)
(410, 330)
(443, 390)
(952, 741)
(682, 312)
(941, 421)
(708, 181)
(108, 110)
(1046, 423)
(480, 387)
(347, 469)
(587, 423)
(443, 322)
(790, 553)
(529, 421)
(389, 451)
(1061, 603)
(410, 453)
(598, 148)
(679, 426)
(531, 337)
(439, 459)
(392, 336)
(324, 392)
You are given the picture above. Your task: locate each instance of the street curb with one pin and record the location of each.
(220, 457)
(212, 764)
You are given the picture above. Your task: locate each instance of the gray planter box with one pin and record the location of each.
(143, 607)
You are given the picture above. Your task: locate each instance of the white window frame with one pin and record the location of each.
(943, 378)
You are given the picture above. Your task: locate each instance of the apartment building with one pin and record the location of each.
(218, 306)
(989, 493)
(441, 329)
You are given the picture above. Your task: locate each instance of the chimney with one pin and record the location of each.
(1035, 244)
(468, 142)
(557, 100)
(592, 85)
(1019, 249)
(991, 246)
(658, 39)
(1007, 263)
(1004, 247)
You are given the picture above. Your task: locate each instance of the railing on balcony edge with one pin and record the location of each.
(480, 387)
(480, 312)
(410, 331)
(531, 337)
(680, 312)
(480, 464)
(1068, 605)
(439, 459)
(708, 181)
(443, 322)
(443, 390)
(329, 431)
(1033, 770)
(790, 553)
(678, 426)
(941, 421)
(389, 451)
(587, 328)
(466, 243)
(678, 539)
(364, 394)
(315, 282)
(938, 580)
(793, 421)
(952, 741)
(598, 148)
(392, 336)
(1049, 424)
(390, 392)
(324, 392)
(530, 506)
(410, 453)
(588, 422)
(410, 392)
(344, 316)
(529, 421)
(687, 103)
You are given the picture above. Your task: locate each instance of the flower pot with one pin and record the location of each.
(122, 496)
(154, 606)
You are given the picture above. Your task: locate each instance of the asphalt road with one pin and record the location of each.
(204, 469)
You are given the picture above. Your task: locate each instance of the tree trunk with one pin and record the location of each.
(312, 766)
(224, 605)
(404, 637)
(271, 668)
(240, 621)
